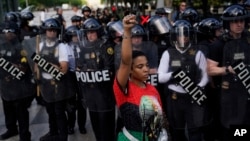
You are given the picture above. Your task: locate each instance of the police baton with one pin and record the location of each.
(36, 69)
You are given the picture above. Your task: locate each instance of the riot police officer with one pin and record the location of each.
(184, 112)
(86, 12)
(234, 96)
(54, 89)
(17, 83)
(209, 33)
(27, 31)
(95, 77)
(76, 20)
(74, 106)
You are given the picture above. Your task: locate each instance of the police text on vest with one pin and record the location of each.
(93, 76)
(189, 86)
(47, 67)
(11, 69)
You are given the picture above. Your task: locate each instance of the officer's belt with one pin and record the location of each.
(176, 95)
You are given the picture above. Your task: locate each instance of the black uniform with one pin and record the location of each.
(96, 80)
(17, 92)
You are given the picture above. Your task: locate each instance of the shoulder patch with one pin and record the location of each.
(110, 50)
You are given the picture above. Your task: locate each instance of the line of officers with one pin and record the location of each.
(204, 49)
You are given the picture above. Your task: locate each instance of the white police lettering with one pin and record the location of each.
(153, 79)
(46, 66)
(93, 76)
(12, 70)
(190, 87)
(243, 74)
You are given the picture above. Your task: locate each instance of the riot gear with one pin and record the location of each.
(138, 30)
(181, 35)
(158, 25)
(233, 12)
(92, 24)
(115, 27)
(76, 18)
(51, 24)
(10, 26)
(27, 16)
(190, 14)
(163, 11)
(70, 31)
(10, 16)
(208, 26)
(86, 9)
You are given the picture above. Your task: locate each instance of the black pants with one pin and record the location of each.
(17, 111)
(103, 124)
(57, 119)
(76, 111)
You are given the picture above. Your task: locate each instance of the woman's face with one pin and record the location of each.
(140, 69)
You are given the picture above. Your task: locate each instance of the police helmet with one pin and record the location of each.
(190, 14)
(11, 16)
(27, 16)
(234, 12)
(86, 8)
(138, 30)
(181, 30)
(163, 11)
(51, 24)
(10, 27)
(72, 30)
(76, 18)
(247, 3)
(208, 26)
(115, 27)
(92, 24)
(158, 25)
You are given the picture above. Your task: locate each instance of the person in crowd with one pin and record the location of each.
(234, 97)
(176, 13)
(17, 92)
(76, 21)
(139, 42)
(185, 114)
(86, 12)
(97, 58)
(138, 101)
(75, 109)
(209, 32)
(54, 90)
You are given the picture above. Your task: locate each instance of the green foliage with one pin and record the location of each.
(51, 3)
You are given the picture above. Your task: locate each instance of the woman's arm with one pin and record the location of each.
(126, 51)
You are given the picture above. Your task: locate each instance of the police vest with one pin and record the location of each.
(186, 62)
(50, 54)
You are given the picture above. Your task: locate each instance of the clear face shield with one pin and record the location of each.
(163, 25)
(181, 38)
(118, 27)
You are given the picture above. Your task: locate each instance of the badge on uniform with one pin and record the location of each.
(110, 51)
(191, 52)
(174, 96)
(92, 55)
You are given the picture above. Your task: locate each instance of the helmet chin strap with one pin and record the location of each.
(184, 48)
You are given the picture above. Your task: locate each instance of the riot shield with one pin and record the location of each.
(30, 46)
(15, 74)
